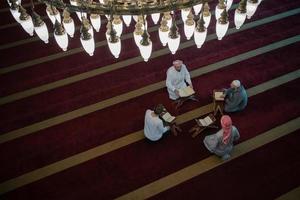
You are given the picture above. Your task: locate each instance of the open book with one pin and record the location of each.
(206, 121)
(219, 96)
(186, 92)
(168, 117)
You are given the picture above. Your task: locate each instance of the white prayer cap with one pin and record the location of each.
(177, 62)
(236, 83)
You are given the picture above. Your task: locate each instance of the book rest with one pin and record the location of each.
(198, 128)
(180, 101)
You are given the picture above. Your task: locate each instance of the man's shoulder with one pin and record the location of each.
(170, 69)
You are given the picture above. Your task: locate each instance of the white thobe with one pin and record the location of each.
(154, 127)
(176, 80)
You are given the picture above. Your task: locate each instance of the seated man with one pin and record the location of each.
(236, 97)
(155, 127)
(221, 143)
(177, 77)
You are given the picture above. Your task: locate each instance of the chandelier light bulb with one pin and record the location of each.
(88, 45)
(115, 48)
(155, 17)
(15, 13)
(163, 37)
(69, 27)
(173, 44)
(221, 30)
(42, 32)
(218, 12)
(189, 26)
(146, 51)
(207, 20)
(61, 36)
(199, 38)
(127, 19)
(184, 14)
(251, 8)
(118, 25)
(137, 39)
(229, 4)
(197, 8)
(239, 19)
(95, 21)
(28, 25)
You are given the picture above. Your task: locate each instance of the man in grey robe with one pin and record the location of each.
(236, 97)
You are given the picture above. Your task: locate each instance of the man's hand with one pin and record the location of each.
(176, 92)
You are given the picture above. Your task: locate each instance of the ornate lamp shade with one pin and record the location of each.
(145, 46)
(240, 14)
(218, 12)
(61, 36)
(115, 48)
(18, 2)
(146, 51)
(200, 33)
(163, 32)
(207, 20)
(189, 26)
(96, 21)
(197, 8)
(199, 38)
(15, 13)
(251, 8)
(173, 44)
(184, 14)
(87, 41)
(127, 19)
(26, 21)
(155, 17)
(229, 4)
(40, 27)
(137, 39)
(118, 25)
(222, 25)
(69, 27)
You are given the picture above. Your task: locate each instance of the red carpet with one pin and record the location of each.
(114, 174)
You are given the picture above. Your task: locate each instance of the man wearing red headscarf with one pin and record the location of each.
(221, 143)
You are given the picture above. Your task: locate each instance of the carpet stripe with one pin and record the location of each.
(139, 92)
(122, 64)
(211, 162)
(291, 195)
(126, 140)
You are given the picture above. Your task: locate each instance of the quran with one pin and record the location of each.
(206, 121)
(168, 117)
(219, 96)
(186, 92)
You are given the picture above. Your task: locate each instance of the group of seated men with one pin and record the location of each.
(221, 143)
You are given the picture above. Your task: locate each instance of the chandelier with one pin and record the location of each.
(194, 13)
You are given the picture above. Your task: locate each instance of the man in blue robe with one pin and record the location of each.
(236, 97)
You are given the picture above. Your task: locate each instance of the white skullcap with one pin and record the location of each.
(236, 83)
(177, 61)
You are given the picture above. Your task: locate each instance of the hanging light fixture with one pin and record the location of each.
(155, 17)
(200, 32)
(114, 42)
(219, 9)
(68, 23)
(228, 4)
(137, 34)
(61, 36)
(206, 15)
(240, 14)
(145, 46)
(163, 32)
(197, 8)
(174, 37)
(87, 40)
(189, 26)
(26, 21)
(118, 25)
(40, 27)
(115, 10)
(53, 13)
(184, 13)
(14, 10)
(96, 21)
(251, 7)
(222, 25)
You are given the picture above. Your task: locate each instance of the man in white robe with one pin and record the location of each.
(177, 77)
(154, 127)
